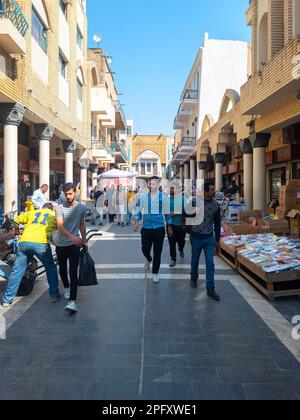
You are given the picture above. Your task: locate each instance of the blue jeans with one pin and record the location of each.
(44, 254)
(208, 245)
(129, 214)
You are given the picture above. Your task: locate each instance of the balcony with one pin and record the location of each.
(190, 100)
(13, 27)
(102, 106)
(275, 85)
(120, 153)
(185, 149)
(120, 117)
(102, 152)
(181, 119)
(249, 14)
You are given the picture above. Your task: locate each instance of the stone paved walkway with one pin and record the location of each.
(134, 340)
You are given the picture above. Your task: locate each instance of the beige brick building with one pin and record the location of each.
(151, 155)
(44, 94)
(256, 140)
(107, 116)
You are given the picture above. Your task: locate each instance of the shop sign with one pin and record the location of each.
(283, 155)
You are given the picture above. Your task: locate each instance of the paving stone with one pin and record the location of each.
(269, 392)
(118, 374)
(66, 391)
(168, 392)
(112, 391)
(251, 376)
(194, 375)
(219, 392)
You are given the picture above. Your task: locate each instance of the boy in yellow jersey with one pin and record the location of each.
(34, 242)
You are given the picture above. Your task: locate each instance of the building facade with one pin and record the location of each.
(255, 140)
(107, 117)
(151, 155)
(202, 95)
(44, 95)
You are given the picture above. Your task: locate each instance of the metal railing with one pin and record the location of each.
(10, 9)
(188, 141)
(191, 95)
(102, 145)
(117, 147)
(120, 109)
(99, 145)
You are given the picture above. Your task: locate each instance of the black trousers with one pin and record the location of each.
(178, 237)
(153, 238)
(69, 254)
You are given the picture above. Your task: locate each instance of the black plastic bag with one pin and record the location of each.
(87, 271)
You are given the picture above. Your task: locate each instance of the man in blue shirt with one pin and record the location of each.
(153, 208)
(177, 203)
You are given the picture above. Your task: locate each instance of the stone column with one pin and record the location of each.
(219, 161)
(186, 171)
(11, 116)
(69, 148)
(44, 134)
(181, 174)
(247, 151)
(259, 143)
(201, 170)
(94, 167)
(193, 174)
(84, 164)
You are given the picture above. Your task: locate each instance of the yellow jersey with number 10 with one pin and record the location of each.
(40, 225)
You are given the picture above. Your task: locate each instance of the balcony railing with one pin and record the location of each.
(10, 9)
(117, 147)
(188, 141)
(99, 145)
(191, 95)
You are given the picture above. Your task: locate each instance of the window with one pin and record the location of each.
(62, 66)
(149, 168)
(143, 169)
(155, 169)
(79, 38)
(39, 31)
(79, 90)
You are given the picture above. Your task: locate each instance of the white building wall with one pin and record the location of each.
(224, 66)
(64, 35)
(40, 61)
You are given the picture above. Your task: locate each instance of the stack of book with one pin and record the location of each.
(272, 253)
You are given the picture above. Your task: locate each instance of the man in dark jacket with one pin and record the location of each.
(206, 236)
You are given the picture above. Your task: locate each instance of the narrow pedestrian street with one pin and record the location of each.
(132, 339)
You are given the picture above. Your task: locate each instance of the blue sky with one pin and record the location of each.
(154, 43)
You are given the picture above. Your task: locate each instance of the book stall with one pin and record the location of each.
(270, 262)
(266, 250)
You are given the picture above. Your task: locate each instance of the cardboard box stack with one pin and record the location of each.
(289, 197)
(294, 216)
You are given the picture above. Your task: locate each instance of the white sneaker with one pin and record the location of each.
(147, 266)
(71, 307)
(6, 305)
(67, 294)
(156, 279)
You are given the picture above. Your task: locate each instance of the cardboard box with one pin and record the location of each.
(293, 182)
(245, 215)
(294, 216)
(263, 230)
(278, 226)
(244, 229)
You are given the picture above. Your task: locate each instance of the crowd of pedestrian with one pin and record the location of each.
(154, 211)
